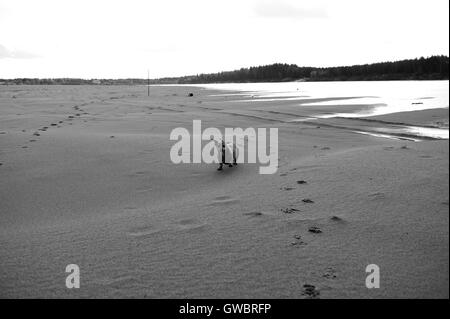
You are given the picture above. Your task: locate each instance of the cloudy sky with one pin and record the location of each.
(117, 39)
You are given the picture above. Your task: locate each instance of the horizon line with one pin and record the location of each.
(224, 71)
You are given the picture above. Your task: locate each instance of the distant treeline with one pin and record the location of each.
(432, 68)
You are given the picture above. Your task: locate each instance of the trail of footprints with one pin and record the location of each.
(308, 291)
(57, 124)
(298, 240)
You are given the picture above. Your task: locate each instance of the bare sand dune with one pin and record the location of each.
(86, 179)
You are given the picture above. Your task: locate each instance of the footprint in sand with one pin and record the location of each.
(330, 273)
(298, 241)
(253, 214)
(223, 200)
(337, 219)
(256, 214)
(314, 230)
(290, 210)
(310, 291)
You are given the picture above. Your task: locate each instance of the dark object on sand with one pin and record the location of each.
(307, 201)
(301, 182)
(336, 219)
(191, 94)
(253, 214)
(223, 149)
(310, 291)
(314, 229)
(290, 210)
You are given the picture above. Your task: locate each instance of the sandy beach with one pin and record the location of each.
(86, 179)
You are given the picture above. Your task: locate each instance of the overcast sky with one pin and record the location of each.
(118, 39)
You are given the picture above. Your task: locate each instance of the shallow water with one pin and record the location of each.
(372, 98)
(384, 97)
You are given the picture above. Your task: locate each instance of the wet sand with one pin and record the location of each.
(86, 179)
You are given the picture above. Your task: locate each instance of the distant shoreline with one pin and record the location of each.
(31, 81)
(422, 69)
